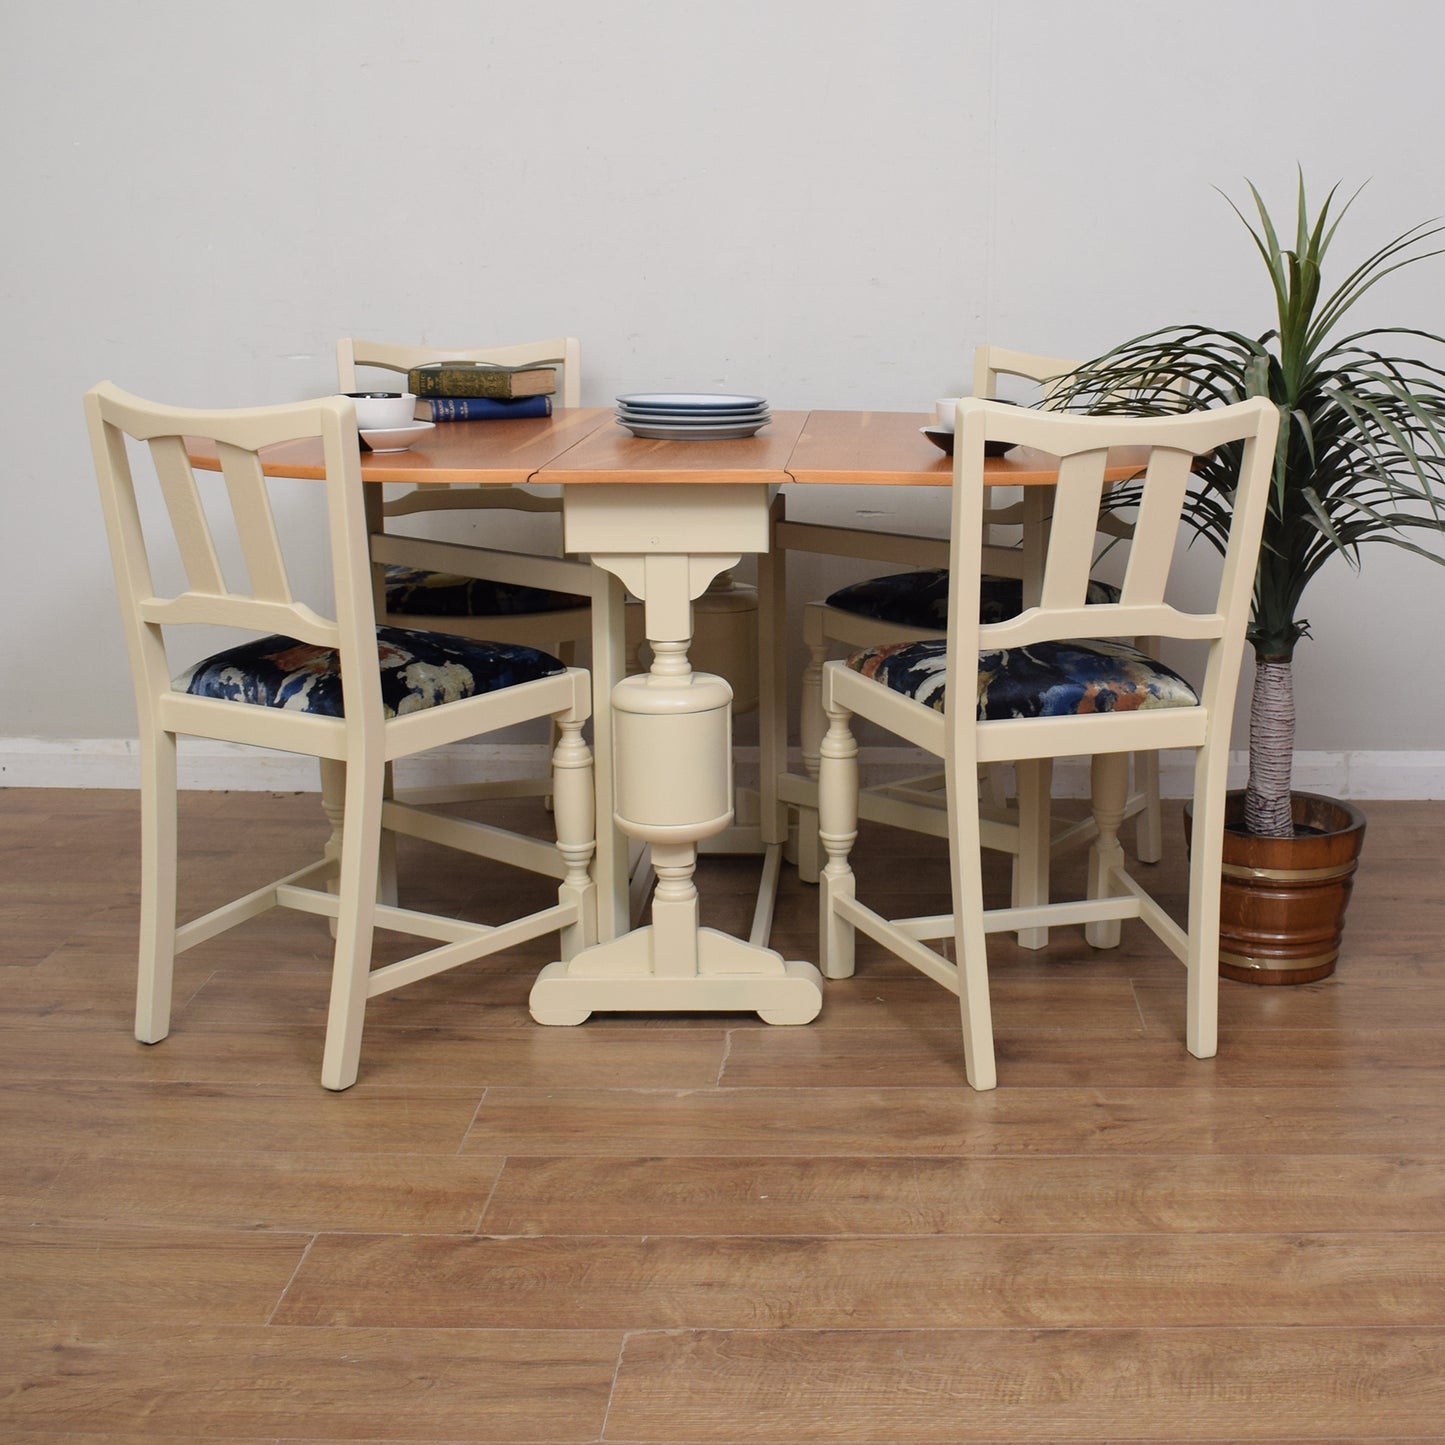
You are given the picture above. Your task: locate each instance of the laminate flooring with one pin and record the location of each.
(699, 1228)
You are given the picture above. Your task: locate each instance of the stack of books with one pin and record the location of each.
(481, 391)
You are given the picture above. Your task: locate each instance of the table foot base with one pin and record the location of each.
(733, 977)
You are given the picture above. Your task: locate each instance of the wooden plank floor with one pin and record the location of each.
(702, 1229)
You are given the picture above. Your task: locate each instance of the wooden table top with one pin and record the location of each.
(888, 449)
(613, 454)
(497, 452)
(583, 446)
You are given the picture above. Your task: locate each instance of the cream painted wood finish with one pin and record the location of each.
(1015, 533)
(963, 742)
(357, 750)
(668, 519)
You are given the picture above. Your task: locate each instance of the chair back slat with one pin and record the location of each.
(230, 610)
(1157, 526)
(189, 523)
(255, 523)
(1069, 558)
(1101, 620)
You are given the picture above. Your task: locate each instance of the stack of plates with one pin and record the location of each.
(691, 415)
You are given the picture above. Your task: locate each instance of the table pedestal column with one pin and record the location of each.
(673, 782)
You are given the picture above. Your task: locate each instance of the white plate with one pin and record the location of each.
(706, 401)
(693, 418)
(658, 431)
(396, 438)
(692, 410)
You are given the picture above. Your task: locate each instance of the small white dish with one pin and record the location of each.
(395, 438)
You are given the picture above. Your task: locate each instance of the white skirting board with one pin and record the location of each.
(222, 767)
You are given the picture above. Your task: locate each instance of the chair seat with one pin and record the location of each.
(920, 599)
(1051, 679)
(418, 670)
(415, 592)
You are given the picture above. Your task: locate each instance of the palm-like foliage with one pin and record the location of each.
(1361, 455)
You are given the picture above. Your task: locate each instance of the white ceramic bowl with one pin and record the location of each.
(395, 438)
(376, 409)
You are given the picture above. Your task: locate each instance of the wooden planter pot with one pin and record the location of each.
(1282, 907)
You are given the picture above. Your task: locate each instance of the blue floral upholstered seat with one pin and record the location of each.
(418, 670)
(416, 592)
(1049, 679)
(920, 599)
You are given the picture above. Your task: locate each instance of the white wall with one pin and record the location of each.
(827, 201)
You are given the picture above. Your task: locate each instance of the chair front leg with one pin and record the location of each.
(970, 943)
(1110, 794)
(157, 954)
(837, 832)
(387, 888)
(574, 813)
(1148, 826)
(355, 923)
(1201, 1029)
(812, 723)
(1035, 822)
(333, 804)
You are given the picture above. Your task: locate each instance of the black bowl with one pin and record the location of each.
(943, 440)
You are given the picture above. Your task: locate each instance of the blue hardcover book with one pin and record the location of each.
(485, 408)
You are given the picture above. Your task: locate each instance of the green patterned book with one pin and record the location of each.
(469, 378)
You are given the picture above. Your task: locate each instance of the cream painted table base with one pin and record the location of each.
(672, 763)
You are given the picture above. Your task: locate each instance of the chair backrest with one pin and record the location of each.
(564, 351)
(1083, 445)
(1050, 373)
(240, 502)
(992, 362)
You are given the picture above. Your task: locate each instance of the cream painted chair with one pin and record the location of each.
(333, 686)
(499, 592)
(1031, 690)
(908, 607)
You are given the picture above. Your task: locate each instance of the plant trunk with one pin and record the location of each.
(1267, 810)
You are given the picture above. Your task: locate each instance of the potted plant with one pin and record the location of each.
(1361, 458)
